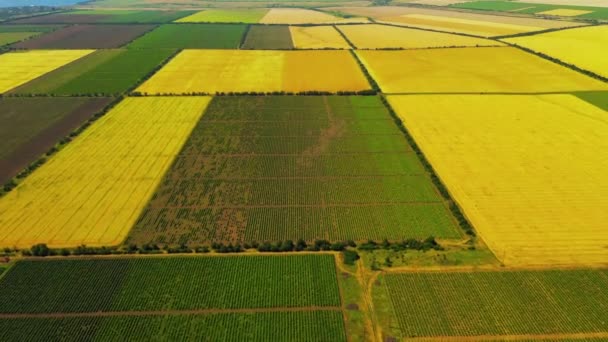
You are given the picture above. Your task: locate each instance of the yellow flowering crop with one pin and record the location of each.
(211, 71)
(17, 68)
(529, 171)
(564, 12)
(585, 47)
(384, 36)
(304, 16)
(472, 70)
(317, 37)
(93, 190)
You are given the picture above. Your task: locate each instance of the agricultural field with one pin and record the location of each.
(17, 68)
(584, 47)
(294, 16)
(496, 305)
(482, 25)
(111, 71)
(560, 8)
(275, 37)
(15, 33)
(197, 292)
(211, 71)
(191, 36)
(93, 190)
(106, 17)
(521, 187)
(466, 70)
(317, 37)
(247, 16)
(384, 36)
(288, 167)
(29, 127)
(86, 37)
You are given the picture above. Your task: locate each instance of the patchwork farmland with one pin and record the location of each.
(311, 170)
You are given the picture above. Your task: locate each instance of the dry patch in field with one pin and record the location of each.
(471, 70)
(564, 12)
(384, 36)
(317, 37)
(530, 172)
(211, 71)
(484, 25)
(17, 68)
(585, 47)
(93, 190)
(304, 16)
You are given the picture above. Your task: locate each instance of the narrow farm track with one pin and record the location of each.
(168, 312)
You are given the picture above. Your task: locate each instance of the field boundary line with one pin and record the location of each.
(522, 337)
(167, 312)
(279, 206)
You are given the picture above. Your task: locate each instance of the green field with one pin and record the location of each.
(494, 303)
(109, 16)
(531, 8)
(12, 37)
(173, 283)
(289, 167)
(103, 72)
(598, 98)
(248, 16)
(270, 326)
(192, 36)
(28, 28)
(273, 37)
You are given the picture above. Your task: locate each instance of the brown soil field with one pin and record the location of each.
(63, 19)
(36, 140)
(86, 37)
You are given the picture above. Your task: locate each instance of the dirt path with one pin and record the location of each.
(166, 312)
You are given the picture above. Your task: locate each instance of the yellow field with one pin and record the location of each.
(93, 191)
(564, 12)
(317, 37)
(304, 16)
(585, 47)
(471, 70)
(460, 25)
(211, 71)
(17, 68)
(530, 172)
(383, 36)
(225, 15)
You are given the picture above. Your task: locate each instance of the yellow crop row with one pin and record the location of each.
(211, 71)
(93, 191)
(17, 68)
(384, 36)
(565, 12)
(529, 171)
(304, 16)
(471, 70)
(317, 37)
(585, 47)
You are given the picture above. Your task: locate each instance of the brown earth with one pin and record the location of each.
(28, 152)
(86, 37)
(63, 19)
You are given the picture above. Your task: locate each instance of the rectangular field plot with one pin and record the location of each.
(384, 36)
(93, 190)
(17, 68)
(244, 297)
(294, 16)
(288, 326)
(530, 173)
(317, 37)
(557, 304)
(110, 71)
(275, 37)
(249, 16)
(29, 127)
(191, 36)
(469, 70)
(211, 71)
(106, 16)
(86, 37)
(287, 167)
(585, 47)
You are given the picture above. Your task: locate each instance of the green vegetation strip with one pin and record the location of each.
(597, 98)
(274, 168)
(164, 284)
(270, 326)
(109, 16)
(499, 303)
(192, 36)
(532, 8)
(103, 72)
